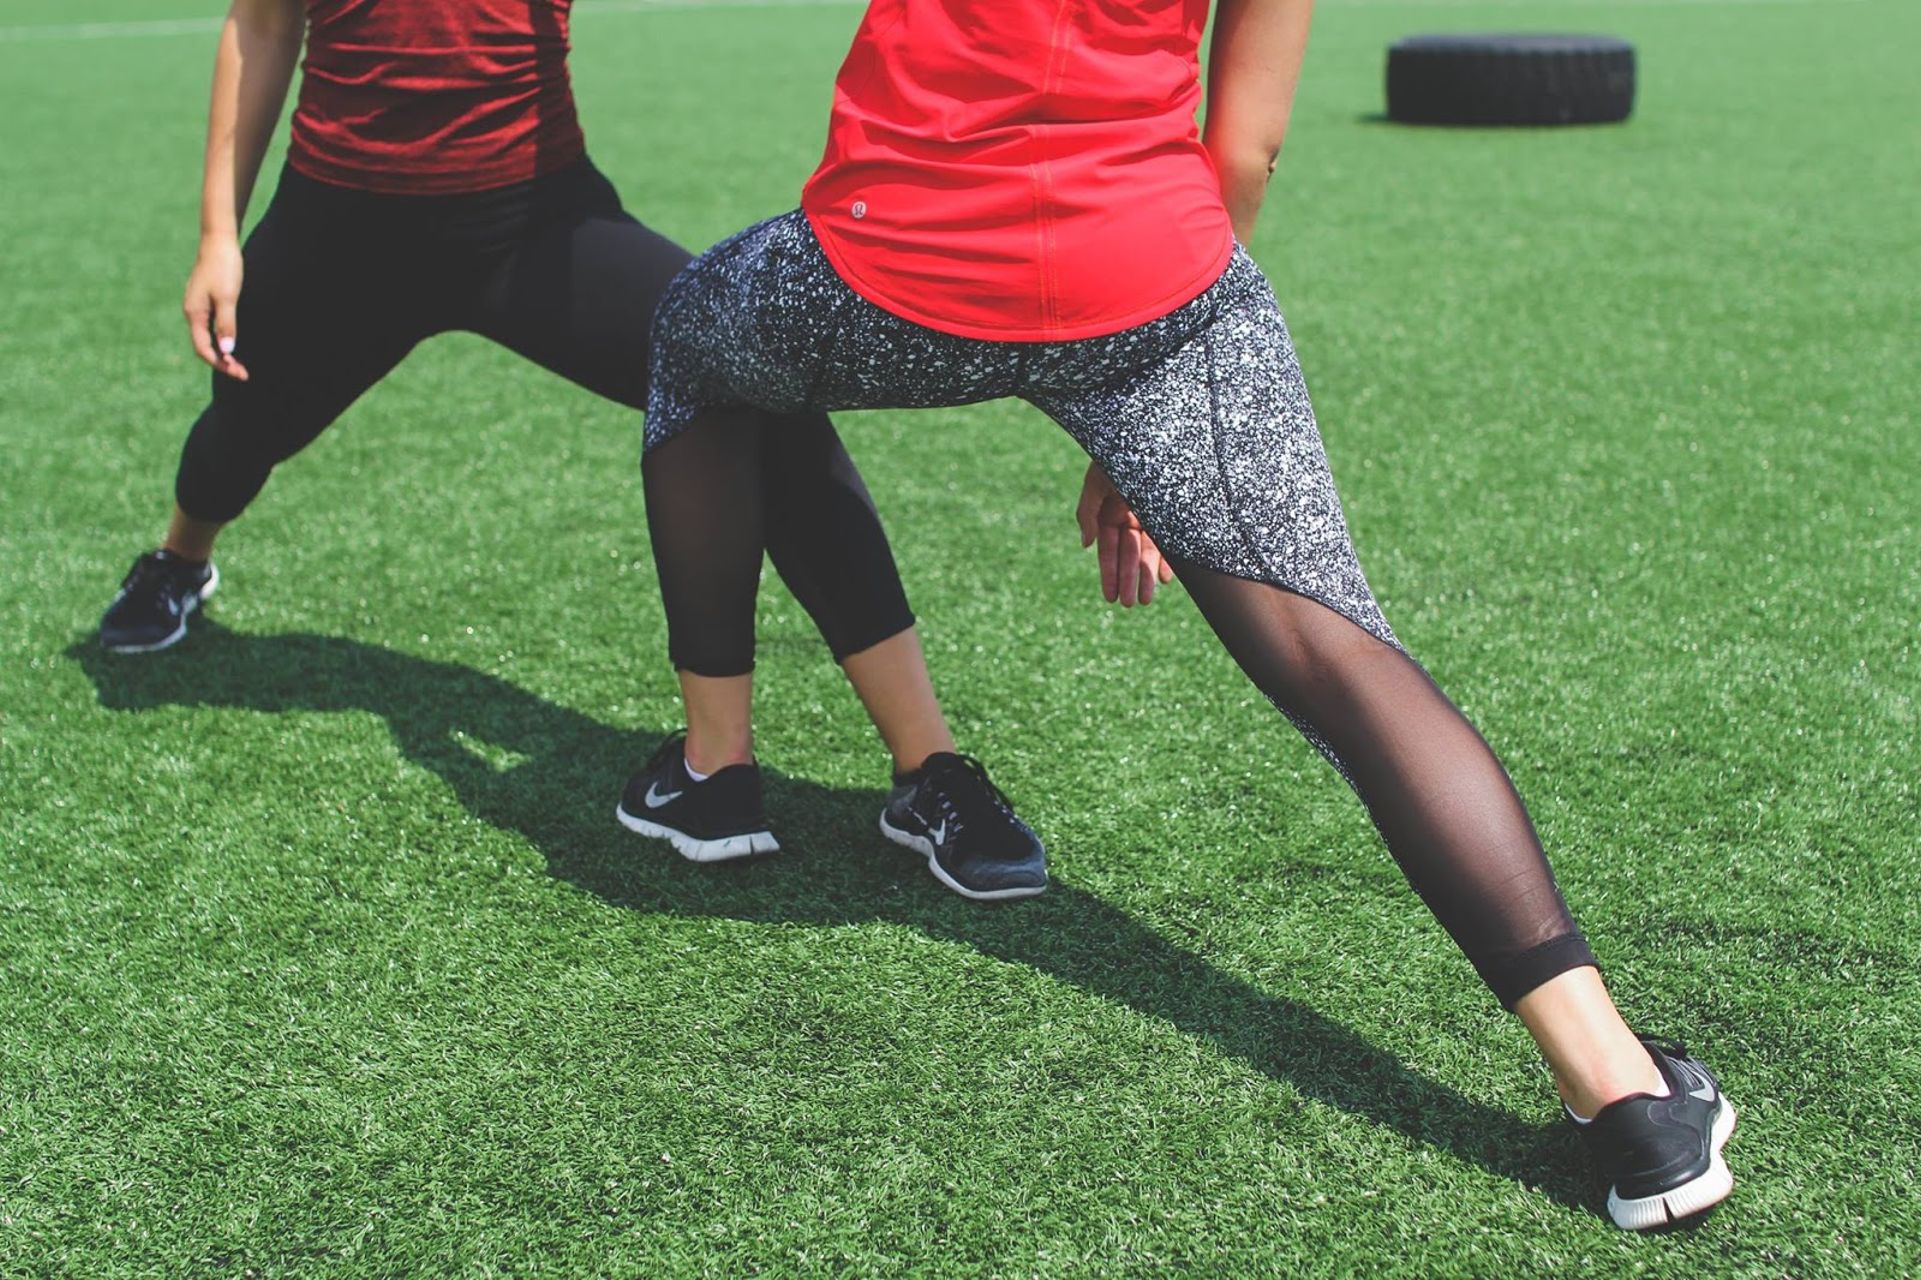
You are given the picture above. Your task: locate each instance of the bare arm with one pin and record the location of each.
(1252, 68)
(259, 45)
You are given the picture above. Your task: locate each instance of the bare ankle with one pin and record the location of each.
(1595, 1057)
(906, 762)
(1616, 1066)
(707, 759)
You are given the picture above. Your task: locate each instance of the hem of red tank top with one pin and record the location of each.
(1102, 328)
(405, 182)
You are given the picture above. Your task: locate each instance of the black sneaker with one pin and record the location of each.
(974, 842)
(709, 821)
(1662, 1156)
(155, 598)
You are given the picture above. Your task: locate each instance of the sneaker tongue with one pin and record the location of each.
(965, 784)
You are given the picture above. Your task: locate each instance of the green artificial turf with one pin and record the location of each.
(320, 951)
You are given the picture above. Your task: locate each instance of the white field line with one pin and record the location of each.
(206, 26)
(113, 30)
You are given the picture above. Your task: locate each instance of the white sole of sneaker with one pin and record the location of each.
(697, 850)
(179, 632)
(925, 848)
(1690, 1198)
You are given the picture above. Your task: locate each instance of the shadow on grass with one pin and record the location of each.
(561, 795)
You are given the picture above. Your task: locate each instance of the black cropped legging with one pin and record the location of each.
(1202, 421)
(340, 285)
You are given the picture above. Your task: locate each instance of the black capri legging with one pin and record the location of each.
(341, 284)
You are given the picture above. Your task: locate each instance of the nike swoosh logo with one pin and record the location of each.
(938, 834)
(1699, 1086)
(655, 799)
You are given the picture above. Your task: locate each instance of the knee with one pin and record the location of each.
(1325, 654)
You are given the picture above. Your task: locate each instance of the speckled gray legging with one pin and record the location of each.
(1202, 420)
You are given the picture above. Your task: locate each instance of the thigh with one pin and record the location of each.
(1216, 448)
(763, 320)
(319, 320)
(578, 297)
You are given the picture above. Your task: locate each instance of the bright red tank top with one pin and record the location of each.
(1022, 170)
(434, 97)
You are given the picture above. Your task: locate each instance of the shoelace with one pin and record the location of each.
(667, 750)
(975, 797)
(145, 573)
(154, 571)
(149, 570)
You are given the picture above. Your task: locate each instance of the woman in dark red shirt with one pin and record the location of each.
(437, 180)
(1016, 201)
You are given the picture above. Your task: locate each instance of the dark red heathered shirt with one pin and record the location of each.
(434, 97)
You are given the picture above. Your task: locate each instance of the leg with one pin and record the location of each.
(321, 318)
(892, 681)
(579, 299)
(1653, 1117)
(317, 327)
(1448, 813)
(704, 519)
(1217, 449)
(708, 551)
(825, 539)
(191, 538)
(742, 328)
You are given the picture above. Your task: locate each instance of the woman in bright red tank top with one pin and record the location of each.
(437, 180)
(1070, 197)
(1015, 201)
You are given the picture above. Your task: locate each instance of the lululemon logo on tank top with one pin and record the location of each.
(860, 209)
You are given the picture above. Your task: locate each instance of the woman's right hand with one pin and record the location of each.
(213, 292)
(1131, 565)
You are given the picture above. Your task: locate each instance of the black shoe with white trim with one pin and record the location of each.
(1662, 1156)
(717, 818)
(155, 598)
(975, 844)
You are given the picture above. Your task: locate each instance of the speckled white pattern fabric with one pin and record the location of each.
(1201, 418)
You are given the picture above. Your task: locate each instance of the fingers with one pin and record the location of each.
(1087, 512)
(224, 334)
(1110, 553)
(1151, 565)
(198, 308)
(1132, 566)
(1163, 567)
(1128, 571)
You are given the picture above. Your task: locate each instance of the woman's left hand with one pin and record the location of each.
(1132, 567)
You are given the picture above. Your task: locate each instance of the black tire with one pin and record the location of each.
(1510, 79)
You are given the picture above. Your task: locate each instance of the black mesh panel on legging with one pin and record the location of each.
(825, 538)
(1435, 790)
(790, 487)
(704, 519)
